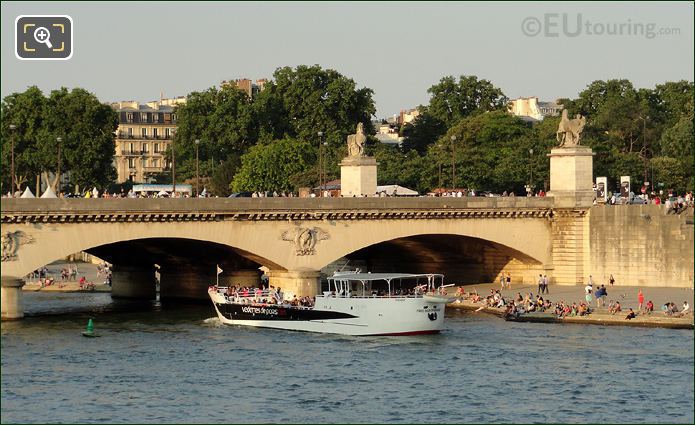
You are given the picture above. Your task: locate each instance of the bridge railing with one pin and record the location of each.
(222, 205)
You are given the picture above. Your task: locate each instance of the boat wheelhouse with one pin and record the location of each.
(354, 304)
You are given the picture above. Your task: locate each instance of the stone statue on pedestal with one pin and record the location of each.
(569, 130)
(356, 142)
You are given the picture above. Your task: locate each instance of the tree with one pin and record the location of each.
(423, 131)
(397, 167)
(87, 129)
(491, 153)
(224, 122)
(85, 125)
(221, 181)
(452, 101)
(303, 101)
(26, 112)
(272, 166)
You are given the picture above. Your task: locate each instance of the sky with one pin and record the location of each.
(137, 50)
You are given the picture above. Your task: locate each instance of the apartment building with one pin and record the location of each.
(144, 133)
(247, 86)
(532, 109)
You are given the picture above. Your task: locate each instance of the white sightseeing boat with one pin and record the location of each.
(355, 304)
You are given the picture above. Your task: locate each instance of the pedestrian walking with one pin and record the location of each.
(611, 280)
(640, 299)
(509, 281)
(540, 283)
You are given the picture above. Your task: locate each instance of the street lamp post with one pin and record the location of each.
(320, 134)
(197, 176)
(12, 129)
(530, 152)
(453, 162)
(644, 143)
(59, 140)
(173, 169)
(324, 162)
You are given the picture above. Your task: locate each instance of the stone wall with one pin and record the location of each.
(641, 245)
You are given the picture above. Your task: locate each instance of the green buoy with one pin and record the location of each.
(90, 330)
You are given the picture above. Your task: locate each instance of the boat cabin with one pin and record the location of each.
(387, 285)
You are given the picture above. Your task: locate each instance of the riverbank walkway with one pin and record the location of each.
(627, 295)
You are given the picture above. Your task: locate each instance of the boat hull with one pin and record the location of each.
(340, 315)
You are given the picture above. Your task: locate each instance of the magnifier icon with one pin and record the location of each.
(43, 36)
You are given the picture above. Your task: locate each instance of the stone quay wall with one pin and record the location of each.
(641, 245)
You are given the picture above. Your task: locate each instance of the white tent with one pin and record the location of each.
(396, 190)
(27, 193)
(49, 193)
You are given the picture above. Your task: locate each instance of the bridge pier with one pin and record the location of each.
(300, 282)
(12, 308)
(251, 278)
(133, 282)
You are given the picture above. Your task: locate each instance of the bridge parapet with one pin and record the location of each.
(215, 209)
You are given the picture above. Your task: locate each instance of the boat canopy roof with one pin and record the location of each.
(364, 277)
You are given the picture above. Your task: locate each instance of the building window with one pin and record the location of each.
(155, 162)
(145, 148)
(155, 117)
(144, 133)
(167, 118)
(132, 147)
(155, 147)
(143, 117)
(130, 132)
(129, 117)
(167, 133)
(173, 117)
(131, 162)
(154, 133)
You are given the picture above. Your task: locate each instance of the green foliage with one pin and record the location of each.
(491, 152)
(300, 102)
(274, 166)
(423, 131)
(669, 171)
(397, 167)
(85, 125)
(224, 122)
(223, 176)
(452, 101)
(297, 104)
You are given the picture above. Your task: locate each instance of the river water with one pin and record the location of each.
(178, 364)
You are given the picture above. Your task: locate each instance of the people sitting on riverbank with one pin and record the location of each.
(669, 309)
(649, 308)
(630, 315)
(686, 309)
(615, 309)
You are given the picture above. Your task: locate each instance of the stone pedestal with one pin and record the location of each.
(133, 282)
(571, 177)
(358, 176)
(300, 283)
(11, 298)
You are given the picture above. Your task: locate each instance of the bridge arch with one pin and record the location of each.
(525, 241)
(47, 244)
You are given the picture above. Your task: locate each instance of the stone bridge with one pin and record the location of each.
(468, 239)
